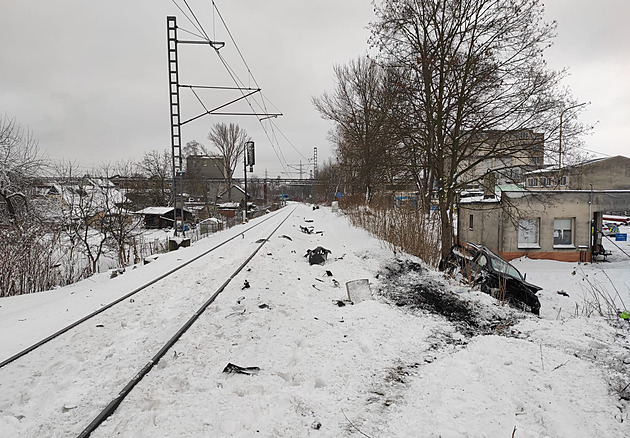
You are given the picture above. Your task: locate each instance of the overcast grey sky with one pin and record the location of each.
(90, 78)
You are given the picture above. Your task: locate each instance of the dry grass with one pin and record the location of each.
(403, 227)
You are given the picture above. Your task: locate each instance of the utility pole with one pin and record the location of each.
(176, 149)
(248, 160)
(174, 91)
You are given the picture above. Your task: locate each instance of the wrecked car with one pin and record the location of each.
(495, 276)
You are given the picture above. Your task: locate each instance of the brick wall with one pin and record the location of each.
(561, 256)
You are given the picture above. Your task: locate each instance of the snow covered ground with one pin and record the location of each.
(384, 367)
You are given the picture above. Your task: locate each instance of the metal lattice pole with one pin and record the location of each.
(176, 147)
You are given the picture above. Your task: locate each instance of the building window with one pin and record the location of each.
(522, 134)
(563, 181)
(528, 233)
(532, 182)
(545, 182)
(563, 232)
(470, 222)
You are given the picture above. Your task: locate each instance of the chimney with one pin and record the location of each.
(489, 183)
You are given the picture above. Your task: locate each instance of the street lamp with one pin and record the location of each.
(560, 137)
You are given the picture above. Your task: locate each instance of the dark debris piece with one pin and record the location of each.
(284, 236)
(245, 285)
(318, 255)
(329, 273)
(230, 368)
(261, 240)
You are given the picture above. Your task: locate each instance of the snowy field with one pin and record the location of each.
(383, 367)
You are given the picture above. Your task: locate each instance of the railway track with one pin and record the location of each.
(110, 352)
(124, 297)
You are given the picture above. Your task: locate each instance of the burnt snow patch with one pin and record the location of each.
(409, 284)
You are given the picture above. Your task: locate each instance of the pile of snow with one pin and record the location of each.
(424, 357)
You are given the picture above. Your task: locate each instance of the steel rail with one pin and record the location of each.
(124, 297)
(113, 405)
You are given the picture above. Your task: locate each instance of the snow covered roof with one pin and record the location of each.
(158, 210)
(155, 210)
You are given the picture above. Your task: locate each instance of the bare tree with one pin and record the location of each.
(20, 162)
(466, 68)
(329, 181)
(193, 147)
(95, 217)
(230, 141)
(156, 166)
(359, 107)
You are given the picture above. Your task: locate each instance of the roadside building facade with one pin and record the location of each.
(564, 225)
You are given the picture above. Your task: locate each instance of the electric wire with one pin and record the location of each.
(197, 20)
(235, 77)
(190, 32)
(252, 102)
(187, 17)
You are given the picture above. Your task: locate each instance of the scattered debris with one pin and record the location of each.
(316, 425)
(261, 240)
(246, 285)
(563, 293)
(230, 368)
(240, 312)
(284, 236)
(116, 272)
(149, 259)
(339, 303)
(263, 306)
(240, 299)
(624, 315)
(316, 207)
(307, 230)
(100, 325)
(359, 290)
(308, 220)
(335, 283)
(329, 273)
(317, 256)
(319, 279)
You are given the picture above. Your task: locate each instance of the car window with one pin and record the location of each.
(504, 267)
(482, 260)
